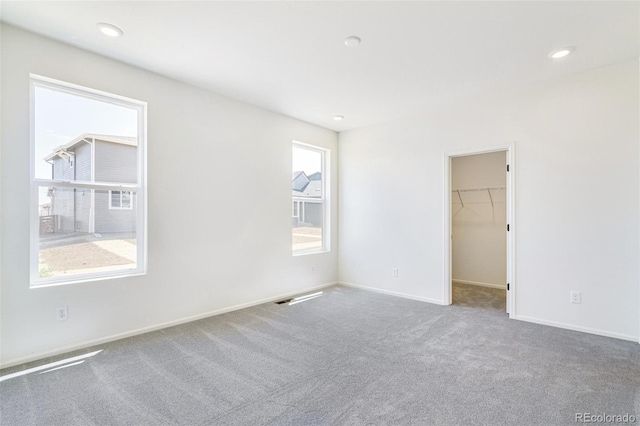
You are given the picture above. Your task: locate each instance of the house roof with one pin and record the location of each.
(124, 140)
(315, 176)
(312, 190)
(306, 186)
(299, 181)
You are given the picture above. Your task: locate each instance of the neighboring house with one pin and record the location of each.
(94, 158)
(307, 199)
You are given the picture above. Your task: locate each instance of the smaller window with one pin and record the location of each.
(309, 185)
(120, 200)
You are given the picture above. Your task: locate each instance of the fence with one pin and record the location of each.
(49, 224)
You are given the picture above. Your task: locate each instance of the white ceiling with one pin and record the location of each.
(289, 57)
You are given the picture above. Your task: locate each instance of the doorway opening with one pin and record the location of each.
(479, 229)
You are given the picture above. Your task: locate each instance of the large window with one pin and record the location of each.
(309, 197)
(88, 184)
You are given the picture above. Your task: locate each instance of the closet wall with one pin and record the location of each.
(478, 210)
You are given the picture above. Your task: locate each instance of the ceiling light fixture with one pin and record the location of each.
(352, 41)
(338, 117)
(561, 53)
(109, 30)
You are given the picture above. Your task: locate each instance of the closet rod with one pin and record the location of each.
(478, 189)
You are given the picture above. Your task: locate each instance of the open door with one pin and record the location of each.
(479, 224)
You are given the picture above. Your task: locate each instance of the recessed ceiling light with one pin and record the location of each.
(338, 117)
(109, 30)
(352, 41)
(561, 53)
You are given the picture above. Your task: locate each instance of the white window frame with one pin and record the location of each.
(138, 190)
(111, 207)
(325, 156)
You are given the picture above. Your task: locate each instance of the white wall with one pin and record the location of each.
(210, 247)
(576, 197)
(479, 227)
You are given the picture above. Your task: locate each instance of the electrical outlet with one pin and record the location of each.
(62, 314)
(394, 272)
(313, 269)
(575, 297)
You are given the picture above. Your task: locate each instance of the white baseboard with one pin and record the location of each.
(393, 293)
(480, 284)
(517, 317)
(118, 336)
(577, 328)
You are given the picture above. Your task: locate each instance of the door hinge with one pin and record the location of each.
(507, 227)
(507, 286)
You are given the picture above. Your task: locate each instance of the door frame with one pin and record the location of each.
(510, 210)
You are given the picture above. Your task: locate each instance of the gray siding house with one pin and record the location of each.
(307, 199)
(94, 158)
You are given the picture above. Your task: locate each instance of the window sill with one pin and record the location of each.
(305, 253)
(59, 281)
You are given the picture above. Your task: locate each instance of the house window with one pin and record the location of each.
(310, 209)
(88, 212)
(296, 209)
(120, 200)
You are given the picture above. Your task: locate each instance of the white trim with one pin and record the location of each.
(141, 207)
(86, 278)
(87, 185)
(326, 199)
(92, 211)
(518, 317)
(448, 223)
(34, 228)
(118, 336)
(307, 200)
(511, 235)
(447, 270)
(572, 327)
(480, 284)
(394, 293)
(73, 89)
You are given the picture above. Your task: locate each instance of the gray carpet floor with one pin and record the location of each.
(349, 357)
(484, 298)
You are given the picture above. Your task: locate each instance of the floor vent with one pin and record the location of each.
(283, 301)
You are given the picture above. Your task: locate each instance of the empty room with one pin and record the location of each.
(319, 213)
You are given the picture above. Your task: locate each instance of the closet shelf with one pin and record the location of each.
(495, 188)
(488, 189)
